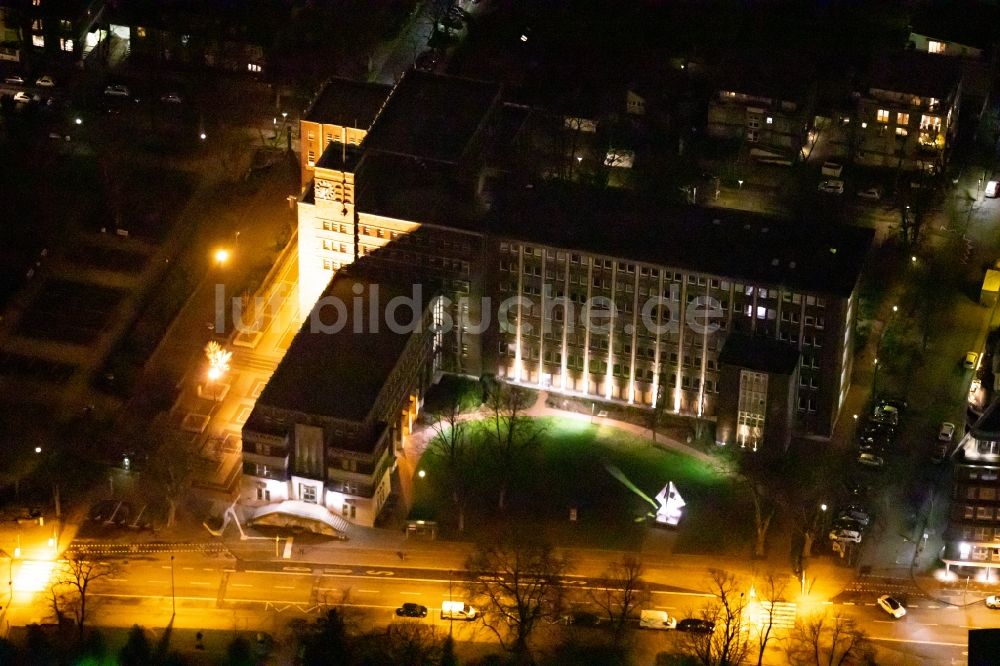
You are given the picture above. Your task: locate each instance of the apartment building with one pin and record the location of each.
(908, 114)
(327, 428)
(972, 538)
(764, 106)
(57, 30)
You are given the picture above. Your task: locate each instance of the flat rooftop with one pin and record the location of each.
(407, 188)
(339, 373)
(916, 73)
(432, 117)
(825, 259)
(348, 103)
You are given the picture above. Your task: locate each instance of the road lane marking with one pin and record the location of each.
(331, 572)
(117, 580)
(412, 594)
(198, 582)
(284, 587)
(240, 585)
(188, 568)
(369, 591)
(911, 640)
(157, 582)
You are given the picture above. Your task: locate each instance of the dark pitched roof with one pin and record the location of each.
(969, 23)
(408, 188)
(774, 78)
(728, 243)
(760, 354)
(339, 374)
(432, 117)
(349, 103)
(916, 73)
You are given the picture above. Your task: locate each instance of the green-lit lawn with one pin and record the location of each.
(569, 470)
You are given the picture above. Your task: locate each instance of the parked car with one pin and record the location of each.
(14, 79)
(872, 194)
(891, 606)
(857, 514)
(970, 361)
(45, 81)
(586, 619)
(116, 90)
(899, 403)
(696, 625)
(886, 414)
(22, 97)
(832, 169)
(171, 98)
(849, 524)
(871, 460)
(947, 431)
(832, 186)
(411, 610)
(656, 619)
(853, 536)
(993, 601)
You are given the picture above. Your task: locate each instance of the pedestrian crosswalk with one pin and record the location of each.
(780, 614)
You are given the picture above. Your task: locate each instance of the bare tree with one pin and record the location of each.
(773, 590)
(170, 471)
(515, 579)
(511, 432)
(826, 639)
(451, 445)
(402, 643)
(729, 644)
(624, 591)
(69, 591)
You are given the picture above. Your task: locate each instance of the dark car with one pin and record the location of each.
(892, 401)
(581, 619)
(411, 610)
(696, 625)
(427, 60)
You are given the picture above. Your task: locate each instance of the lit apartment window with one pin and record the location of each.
(864, 125)
(902, 119)
(36, 24)
(140, 31)
(930, 123)
(66, 44)
(252, 67)
(882, 115)
(65, 24)
(752, 135)
(901, 131)
(935, 47)
(38, 40)
(36, 3)
(311, 158)
(770, 120)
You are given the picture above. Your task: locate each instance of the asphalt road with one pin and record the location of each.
(215, 591)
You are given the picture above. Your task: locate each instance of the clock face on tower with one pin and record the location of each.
(324, 190)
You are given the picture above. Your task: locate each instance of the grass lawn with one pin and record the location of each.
(569, 469)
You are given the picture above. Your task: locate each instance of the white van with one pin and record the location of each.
(656, 619)
(457, 610)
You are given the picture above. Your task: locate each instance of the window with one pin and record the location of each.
(752, 136)
(901, 131)
(930, 123)
(38, 40)
(770, 120)
(935, 47)
(263, 494)
(307, 492)
(753, 122)
(311, 158)
(983, 513)
(902, 119)
(251, 67)
(882, 115)
(140, 31)
(751, 407)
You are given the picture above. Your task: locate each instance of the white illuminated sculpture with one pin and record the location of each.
(671, 503)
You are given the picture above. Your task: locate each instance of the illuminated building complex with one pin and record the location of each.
(595, 293)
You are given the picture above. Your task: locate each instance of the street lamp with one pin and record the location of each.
(740, 181)
(173, 591)
(78, 120)
(421, 473)
(221, 256)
